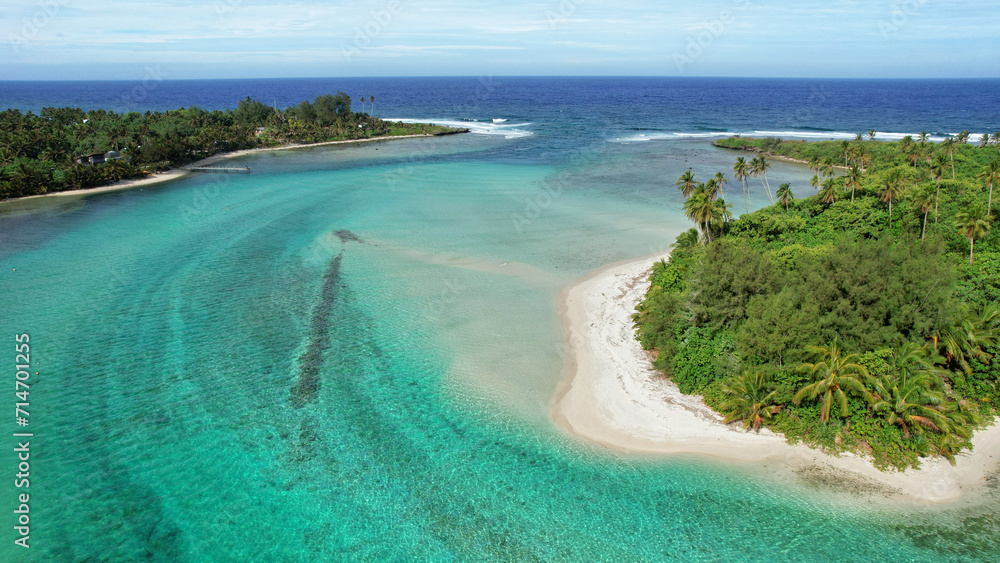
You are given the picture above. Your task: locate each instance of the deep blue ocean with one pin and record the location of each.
(171, 327)
(599, 108)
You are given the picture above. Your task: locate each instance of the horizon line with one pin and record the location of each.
(478, 76)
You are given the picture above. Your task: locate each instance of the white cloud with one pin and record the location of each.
(642, 34)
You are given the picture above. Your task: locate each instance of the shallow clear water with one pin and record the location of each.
(224, 378)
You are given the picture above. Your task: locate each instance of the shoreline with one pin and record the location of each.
(780, 157)
(611, 395)
(183, 171)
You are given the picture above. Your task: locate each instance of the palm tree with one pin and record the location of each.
(891, 190)
(721, 214)
(853, 180)
(828, 171)
(908, 402)
(962, 415)
(905, 144)
(985, 141)
(686, 183)
(814, 164)
(972, 224)
(741, 172)
(915, 359)
(913, 154)
(362, 104)
(845, 149)
(754, 170)
(711, 188)
(859, 137)
(720, 183)
(923, 137)
(925, 200)
(833, 377)
(947, 446)
(937, 174)
(750, 398)
(371, 99)
(815, 183)
(871, 134)
(829, 192)
(987, 324)
(118, 133)
(687, 239)
(991, 175)
(759, 167)
(700, 209)
(764, 167)
(949, 147)
(963, 137)
(785, 195)
(963, 341)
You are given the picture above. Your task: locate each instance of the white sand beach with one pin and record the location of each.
(611, 395)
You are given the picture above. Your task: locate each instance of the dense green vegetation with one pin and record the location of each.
(862, 317)
(38, 153)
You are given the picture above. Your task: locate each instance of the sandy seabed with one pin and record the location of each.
(612, 396)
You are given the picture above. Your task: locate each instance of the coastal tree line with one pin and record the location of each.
(39, 152)
(861, 317)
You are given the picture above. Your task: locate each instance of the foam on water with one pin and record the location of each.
(646, 137)
(792, 135)
(503, 129)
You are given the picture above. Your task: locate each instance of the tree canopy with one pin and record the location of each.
(851, 331)
(38, 153)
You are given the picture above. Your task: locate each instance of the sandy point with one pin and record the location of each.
(611, 395)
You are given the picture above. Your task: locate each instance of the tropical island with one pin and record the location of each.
(812, 337)
(66, 149)
(862, 318)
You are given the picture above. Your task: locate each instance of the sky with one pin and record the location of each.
(118, 40)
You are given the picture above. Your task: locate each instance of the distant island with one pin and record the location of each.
(65, 149)
(860, 318)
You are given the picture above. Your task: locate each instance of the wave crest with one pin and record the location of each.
(805, 135)
(506, 130)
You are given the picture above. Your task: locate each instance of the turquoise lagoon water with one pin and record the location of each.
(350, 354)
